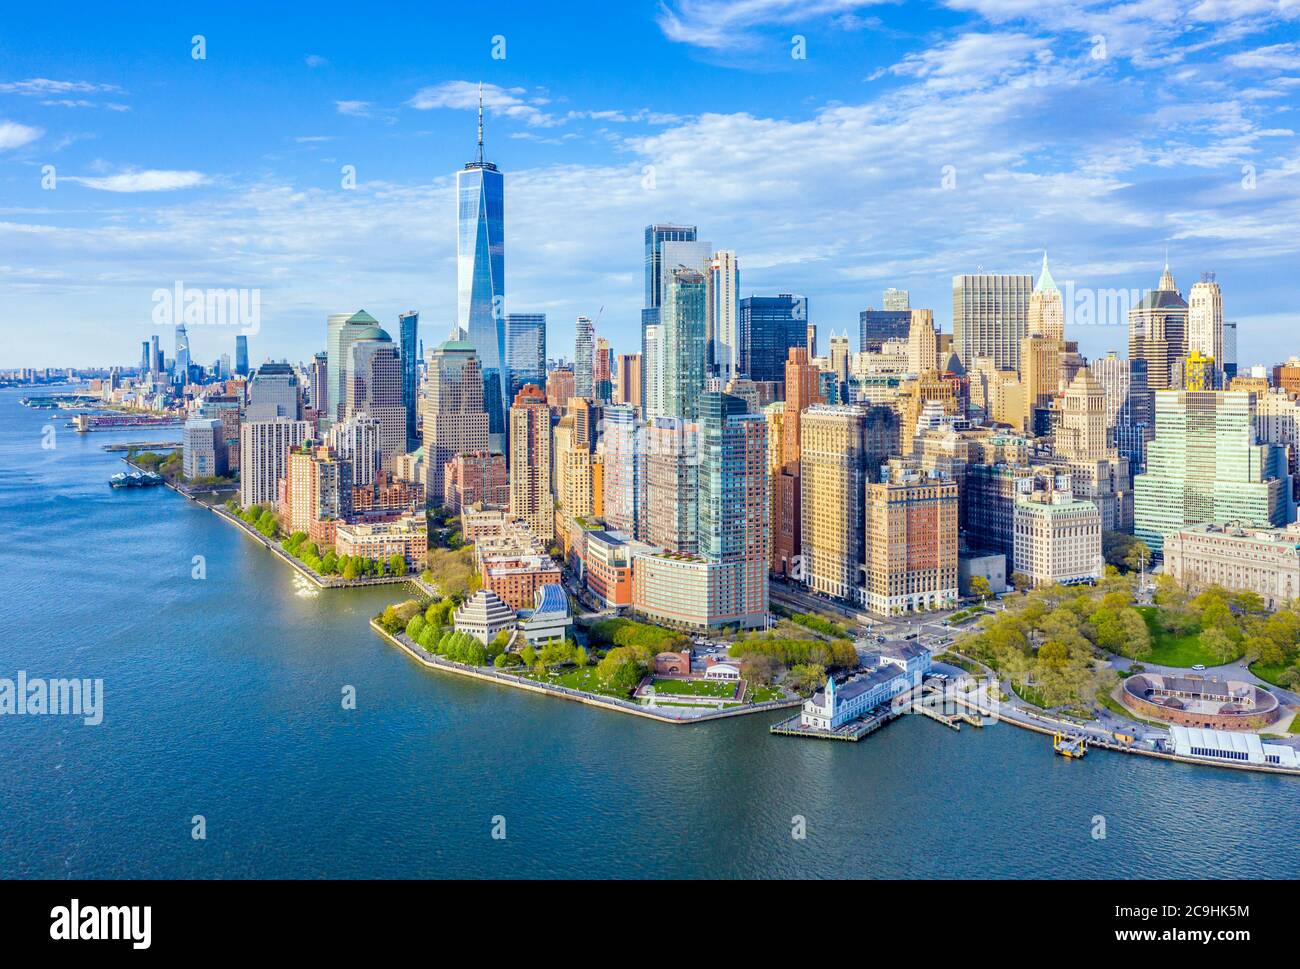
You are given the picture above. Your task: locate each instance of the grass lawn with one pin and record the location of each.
(1031, 696)
(761, 694)
(1168, 649)
(1268, 673)
(694, 688)
(584, 679)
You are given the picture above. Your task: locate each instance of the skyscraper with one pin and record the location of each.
(481, 279)
(455, 421)
(408, 324)
(627, 379)
(241, 358)
(1205, 320)
(990, 317)
(655, 237)
(624, 481)
(897, 299)
(525, 350)
(802, 390)
(722, 325)
(877, 326)
(341, 331)
(681, 323)
(531, 498)
(602, 372)
(1044, 345)
(273, 392)
(374, 389)
(264, 447)
(672, 484)
(319, 384)
(583, 352)
(910, 540)
(833, 484)
(769, 326)
(181, 374)
(145, 358)
(1206, 465)
(1157, 332)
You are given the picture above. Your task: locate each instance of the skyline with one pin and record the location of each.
(146, 192)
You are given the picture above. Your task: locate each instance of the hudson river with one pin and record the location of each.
(222, 698)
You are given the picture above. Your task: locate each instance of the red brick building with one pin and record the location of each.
(476, 478)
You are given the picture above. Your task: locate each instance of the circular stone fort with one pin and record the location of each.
(1195, 701)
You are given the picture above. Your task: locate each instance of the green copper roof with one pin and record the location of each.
(371, 332)
(461, 345)
(361, 316)
(1046, 284)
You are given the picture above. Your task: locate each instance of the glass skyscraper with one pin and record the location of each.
(682, 322)
(408, 324)
(769, 326)
(481, 279)
(525, 350)
(241, 355)
(655, 237)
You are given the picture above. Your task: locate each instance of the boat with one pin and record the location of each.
(135, 479)
(1072, 747)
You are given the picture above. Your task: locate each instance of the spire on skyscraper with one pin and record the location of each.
(480, 122)
(1046, 284)
(1167, 278)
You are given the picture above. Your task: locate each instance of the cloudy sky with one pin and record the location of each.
(838, 146)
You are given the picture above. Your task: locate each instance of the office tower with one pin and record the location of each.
(722, 328)
(455, 419)
(241, 358)
(1082, 434)
(578, 473)
(922, 342)
(408, 324)
(182, 365)
(682, 341)
(624, 469)
(144, 357)
(876, 327)
(896, 299)
(1229, 352)
(1157, 332)
(840, 356)
(602, 372)
(203, 447)
(1044, 346)
(560, 384)
(833, 483)
(1286, 376)
(273, 392)
(584, 348)
(356, 440)
(155, 357)
(318, 487)
(264, 447)
(810, 340)
(531, 499)
(655, 237)
(627, 379)
(476, 478)
(525, 350)
(802, 390)
(318, 384)
(734, 532)
(990, 317)
(1130, 408)
(374, 389)
(1057, 535)
(652, 372)
(1205, 321)
(769, 327)
(481, 279)
(910, 541)
(1198, 371)
(1206, 464)
(341, 331)
(672, 484)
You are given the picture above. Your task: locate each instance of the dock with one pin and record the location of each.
(853, 731)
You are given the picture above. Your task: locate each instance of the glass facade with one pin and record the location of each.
(525, 350)
(769, 326)
(408, 324)
(481, 284)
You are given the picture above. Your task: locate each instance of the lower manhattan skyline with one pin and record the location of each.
(964, 138)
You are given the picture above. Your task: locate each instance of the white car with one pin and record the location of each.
(1199, 668)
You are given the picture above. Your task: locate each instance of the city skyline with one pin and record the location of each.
(146, 196)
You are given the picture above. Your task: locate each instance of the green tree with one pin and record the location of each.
(980, 588)
(621, 669)
(1219, 644)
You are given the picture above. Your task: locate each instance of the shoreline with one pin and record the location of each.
(430, 661)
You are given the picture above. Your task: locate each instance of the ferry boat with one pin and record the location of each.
(1073, 747)
(135, 479)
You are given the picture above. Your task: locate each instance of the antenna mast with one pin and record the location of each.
(480, 122)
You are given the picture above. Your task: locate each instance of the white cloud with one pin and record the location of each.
(15, 135)
(463, 95)
(1277, 57)
(972, 59)
(149, 180)
(721, 24)
(315, 60)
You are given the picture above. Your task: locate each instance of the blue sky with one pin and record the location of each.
(912, 142)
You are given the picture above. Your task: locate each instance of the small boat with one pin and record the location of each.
(135, 479)
(1073, 747)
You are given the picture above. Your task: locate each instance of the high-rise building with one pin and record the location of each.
(681, 327)
(203, 451)
(627, 379)
(910, 540)
(531, 498)
(156, 364)
(1082, 433)
(318, 486)
(584, 348)
(273, 392)
(769, 327)
(1205, 322)
(241, 358)
(1057, 536)
(990, 317)
(802, 390)
(560, 386)
(145, 358)
(375, 389)
(525, 350)
(476, 478)
(341, 331)
(1229, 352)
(722, 327)
(1157, 332)
(896, 299)
(840, 356)
(1130, 408)
(833, 486)
(1206, 465)
(602, 372)
(264, 447)
(356, 440)
(734, 532)
(876, 327)
(655, 237)
(481, 279)
(652, 371)
(455, 419)
(672, 484)
(181, 373)
(318, 384)
(1198, 371)
(408, 325)
(922, 343)
(624, 459)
